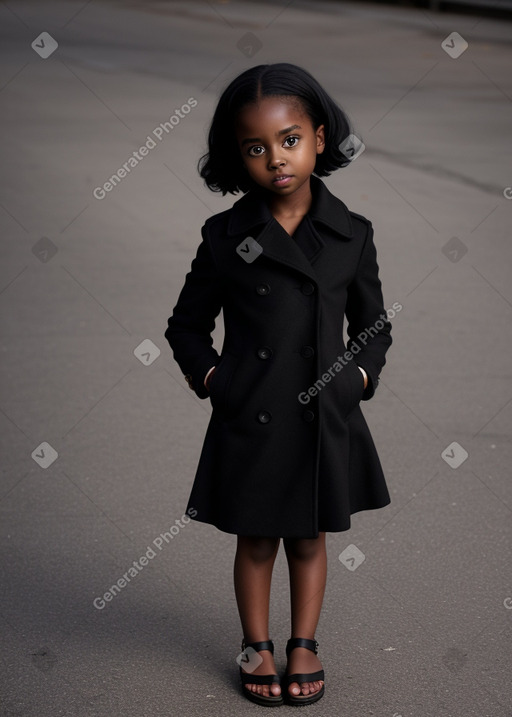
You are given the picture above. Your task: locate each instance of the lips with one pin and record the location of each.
(281, 179)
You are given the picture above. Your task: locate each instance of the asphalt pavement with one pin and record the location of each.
(112, 603)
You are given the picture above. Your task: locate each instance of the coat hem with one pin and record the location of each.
(347, 525)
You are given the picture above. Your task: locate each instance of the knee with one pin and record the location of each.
(304, 549)
(258, 550)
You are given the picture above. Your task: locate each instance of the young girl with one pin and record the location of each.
(287, 453)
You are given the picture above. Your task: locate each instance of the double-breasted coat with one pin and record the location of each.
(287, 452)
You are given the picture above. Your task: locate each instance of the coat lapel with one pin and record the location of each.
(308, 239)
(278, 245)
(250, 216)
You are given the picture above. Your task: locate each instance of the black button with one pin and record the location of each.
(307, 351)
(307, 288)
(263, 289)
(308, 416)
(264, 416)
(264, 352)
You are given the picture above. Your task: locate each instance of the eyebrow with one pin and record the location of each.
(248, 140)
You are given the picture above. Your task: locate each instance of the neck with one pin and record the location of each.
(292, 205)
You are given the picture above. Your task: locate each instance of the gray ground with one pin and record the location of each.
(420, 627)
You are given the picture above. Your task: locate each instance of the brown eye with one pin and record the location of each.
(256, 151)
(291, 139)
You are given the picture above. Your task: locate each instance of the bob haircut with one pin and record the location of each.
(222, 168)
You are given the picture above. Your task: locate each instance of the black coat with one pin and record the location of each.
(281, 456)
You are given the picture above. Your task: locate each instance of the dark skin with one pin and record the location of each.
(307, 565)
(277, 138)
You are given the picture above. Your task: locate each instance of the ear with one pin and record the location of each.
(320, 139)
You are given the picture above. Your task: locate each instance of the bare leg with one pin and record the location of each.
(307, 564)
(254, 562)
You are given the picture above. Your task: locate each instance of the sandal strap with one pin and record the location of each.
(258, 646)
(294, 642)
(250, 679)
(301, 677)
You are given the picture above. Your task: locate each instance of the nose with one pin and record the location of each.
(275, 161)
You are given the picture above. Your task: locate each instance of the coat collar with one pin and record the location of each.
(251, 210)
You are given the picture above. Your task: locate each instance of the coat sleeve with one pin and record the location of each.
(193, 319)
(369, 329)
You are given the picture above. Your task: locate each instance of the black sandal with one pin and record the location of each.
(250, 679)
(298, 677)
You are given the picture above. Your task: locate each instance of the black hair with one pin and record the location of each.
(222, 168)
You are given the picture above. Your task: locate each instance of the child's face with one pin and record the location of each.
(279, 144)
